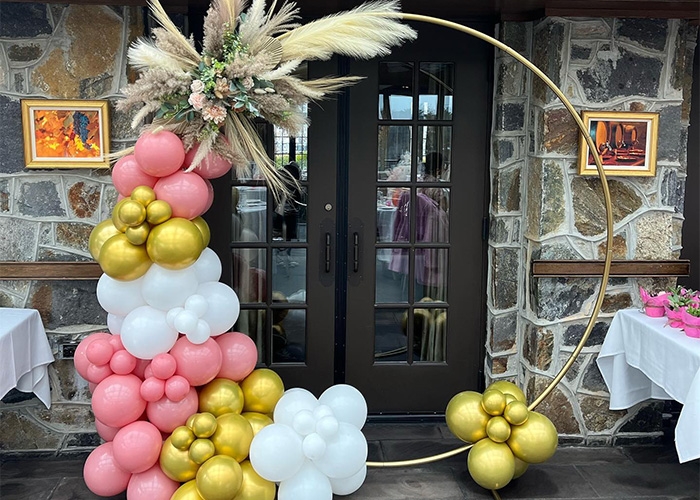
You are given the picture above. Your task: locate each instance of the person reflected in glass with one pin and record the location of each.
(286, 216)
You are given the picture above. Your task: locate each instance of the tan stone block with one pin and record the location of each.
(654, 236)
(19, 431)
(597, 416)
(619, 247)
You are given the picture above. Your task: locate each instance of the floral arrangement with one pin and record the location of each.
(246, 70)
(680, 297)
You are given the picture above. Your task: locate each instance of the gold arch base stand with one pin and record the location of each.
(506, 435)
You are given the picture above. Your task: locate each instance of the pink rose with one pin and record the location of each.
(198, 101)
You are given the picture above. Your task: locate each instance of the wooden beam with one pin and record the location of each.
(618, 268)
(50, 271)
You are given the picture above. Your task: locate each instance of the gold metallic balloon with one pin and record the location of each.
(118, 223)
(219, 478)
(220, 396)
(158, 212)
(254, 487)
(520, 468)
(509, 398)
(466, 417)
(101, 233)
(202, 424)
(261, 390)
(187, 491)
(182, 437)
(508, 388)
(203, 228)
(535, 441)
(257, 420)
(498, 429)
(144, 195)
(201, 450)
(121, 260)
(132, 213)
(233, 436)
(177, 464)
(490, 464)
(494, 402)
(175, 244)
(137, 235)
(516, 413)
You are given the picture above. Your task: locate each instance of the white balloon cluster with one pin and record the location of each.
(150, 311)
(315, 447)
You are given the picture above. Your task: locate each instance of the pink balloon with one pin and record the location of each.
(198, 363)
(159, 154)
(102, 474)
(116, 342)
(210, 199)
(91, 387)
(186, 192)
(122, 363)
(141, 365)
(167, 415)
(163, 365)
(97, 374)
(120, 197)
(127, 174)
(211, 167)
(117, 400)
(137, 446)
(152, 389)
(80, 358)
(105, 431)
(148, 371)
(240, 355)
(176, 388)
(151, 485)
(99, 352)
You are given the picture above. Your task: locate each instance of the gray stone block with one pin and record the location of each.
(65, 303)
(24, 20)
(669, 141)
(559, 298)
(648, 33)
(504, 273)
(574, 334)
(672, 190)
(510, 116)
(39, 199)
(24, 53)
(12, 157)
(504, 331)
(18, 239)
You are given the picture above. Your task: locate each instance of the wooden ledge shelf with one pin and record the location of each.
(50, 271)
(618, 268)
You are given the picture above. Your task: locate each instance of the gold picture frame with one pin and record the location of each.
(65, 133)
(626, 142)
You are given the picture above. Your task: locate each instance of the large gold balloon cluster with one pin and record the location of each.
(209, 454)
(507, 436)
(142, 231)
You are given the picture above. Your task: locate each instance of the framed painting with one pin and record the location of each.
(65, 134)
(626, 143)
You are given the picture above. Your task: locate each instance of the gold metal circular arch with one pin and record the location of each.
(608, 212)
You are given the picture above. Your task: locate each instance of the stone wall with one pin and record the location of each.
(542, 209)
(64, 52)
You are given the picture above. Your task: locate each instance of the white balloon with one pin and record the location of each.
(172, 314)
(327, 426)
(186, 322)
(145, 333)
(223, 306)
(304, 422)
(348, 485)
(197, 304)
(348, 404)
(276, 452)
(345, 454)
(291, 402)
(314, 446)
(201, 334)
(114, 323)
(119, 297)
(167, 288)
(322, 411)
(208, 266)
(307, 484)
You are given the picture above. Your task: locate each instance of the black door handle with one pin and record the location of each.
(328, 252)
(355, 252)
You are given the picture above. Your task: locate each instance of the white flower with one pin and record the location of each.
(198, 101)
(197, 86)
(214, 113)
(248, 82)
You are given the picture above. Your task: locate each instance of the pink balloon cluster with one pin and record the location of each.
(158, 162)
(137, 402)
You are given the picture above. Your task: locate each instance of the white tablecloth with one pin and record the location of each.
(642, 358)
(25, 353)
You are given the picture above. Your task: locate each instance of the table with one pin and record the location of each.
(642, 358)
(25, 353)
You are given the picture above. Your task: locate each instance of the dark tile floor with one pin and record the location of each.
(620, 473)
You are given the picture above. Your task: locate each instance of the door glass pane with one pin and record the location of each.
(288, 335)
(429, 330)
(395, 91)
(249, 217)
(394, 155)
(432, 221)
(434, 153)
(249, 276)
(289, 218)
(390, 335)
(431, 273)
(289, 273)
(391, 286)
(435, 89)
(252, 323)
